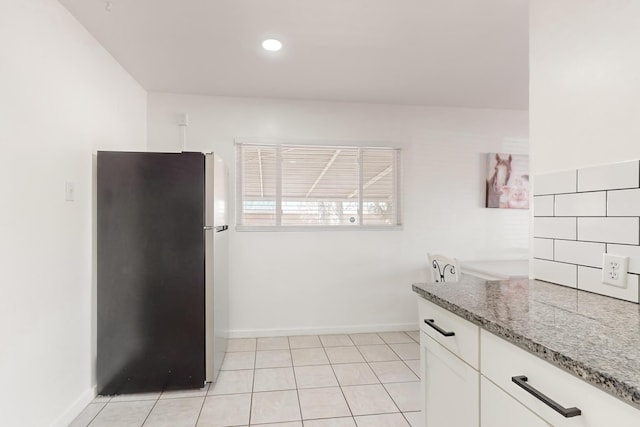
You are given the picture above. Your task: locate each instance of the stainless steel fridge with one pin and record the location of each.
(161, 270)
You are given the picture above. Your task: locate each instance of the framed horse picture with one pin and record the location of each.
(507, 181)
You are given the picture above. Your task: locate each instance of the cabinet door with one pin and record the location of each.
(451, 387)
(498, 409)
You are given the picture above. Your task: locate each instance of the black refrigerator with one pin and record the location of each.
(161, 270)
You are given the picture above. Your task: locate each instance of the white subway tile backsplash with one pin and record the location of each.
(633, 252)
(555, 228)
(610, 230)
(578, 215)
(543, 205)
(555, 272)
(608, 177)
(583, 253)
(590, 279)
(543, 248)
(623, 203)
(581, 204)
(555, 183)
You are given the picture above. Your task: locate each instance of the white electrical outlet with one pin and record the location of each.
(614, 270)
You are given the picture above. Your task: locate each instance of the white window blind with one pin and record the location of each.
(298, 186)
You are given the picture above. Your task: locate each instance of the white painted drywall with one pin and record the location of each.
(297, 282)
(62, 96)
(584, 83)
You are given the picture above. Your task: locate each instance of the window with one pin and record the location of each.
(303, 186)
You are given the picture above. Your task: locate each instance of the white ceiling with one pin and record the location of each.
(462, 53)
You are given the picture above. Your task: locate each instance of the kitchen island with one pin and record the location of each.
(592, 337)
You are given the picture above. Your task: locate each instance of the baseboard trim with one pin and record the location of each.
(75, 408)
(350, 329)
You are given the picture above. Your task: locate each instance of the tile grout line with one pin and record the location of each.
(395, 382)
(376, 375)
(253, 381)
(151, 410)
(97, 413)
(337, 380)
(206, 394)
(381, 383)
(405, 417)
(295, 380)
(403, 360)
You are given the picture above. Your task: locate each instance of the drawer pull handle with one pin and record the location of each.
(521, 381)
(431, 323)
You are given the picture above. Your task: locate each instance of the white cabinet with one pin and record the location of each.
(470, 378)
(450, 360)
(451, 387)
(498, 409)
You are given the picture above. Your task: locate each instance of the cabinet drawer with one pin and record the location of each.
(498, 409)
(464, 341)
(501, 361)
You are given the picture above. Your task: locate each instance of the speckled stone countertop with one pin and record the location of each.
(594, 337)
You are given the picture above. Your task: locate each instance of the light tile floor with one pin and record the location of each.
(363, 380)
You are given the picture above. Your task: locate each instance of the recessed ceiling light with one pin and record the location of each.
(272, 45)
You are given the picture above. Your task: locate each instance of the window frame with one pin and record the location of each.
(279, 144)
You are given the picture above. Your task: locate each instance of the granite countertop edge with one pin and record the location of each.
(591, 375)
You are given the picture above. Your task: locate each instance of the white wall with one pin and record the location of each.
(296, 282)
(62, 96)
(584, 83)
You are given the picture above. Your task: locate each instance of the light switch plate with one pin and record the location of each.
(614, 270)
(69, 191)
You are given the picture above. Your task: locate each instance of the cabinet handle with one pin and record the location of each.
(431, 323)
(521, 381)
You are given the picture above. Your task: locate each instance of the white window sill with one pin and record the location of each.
(319, 228)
